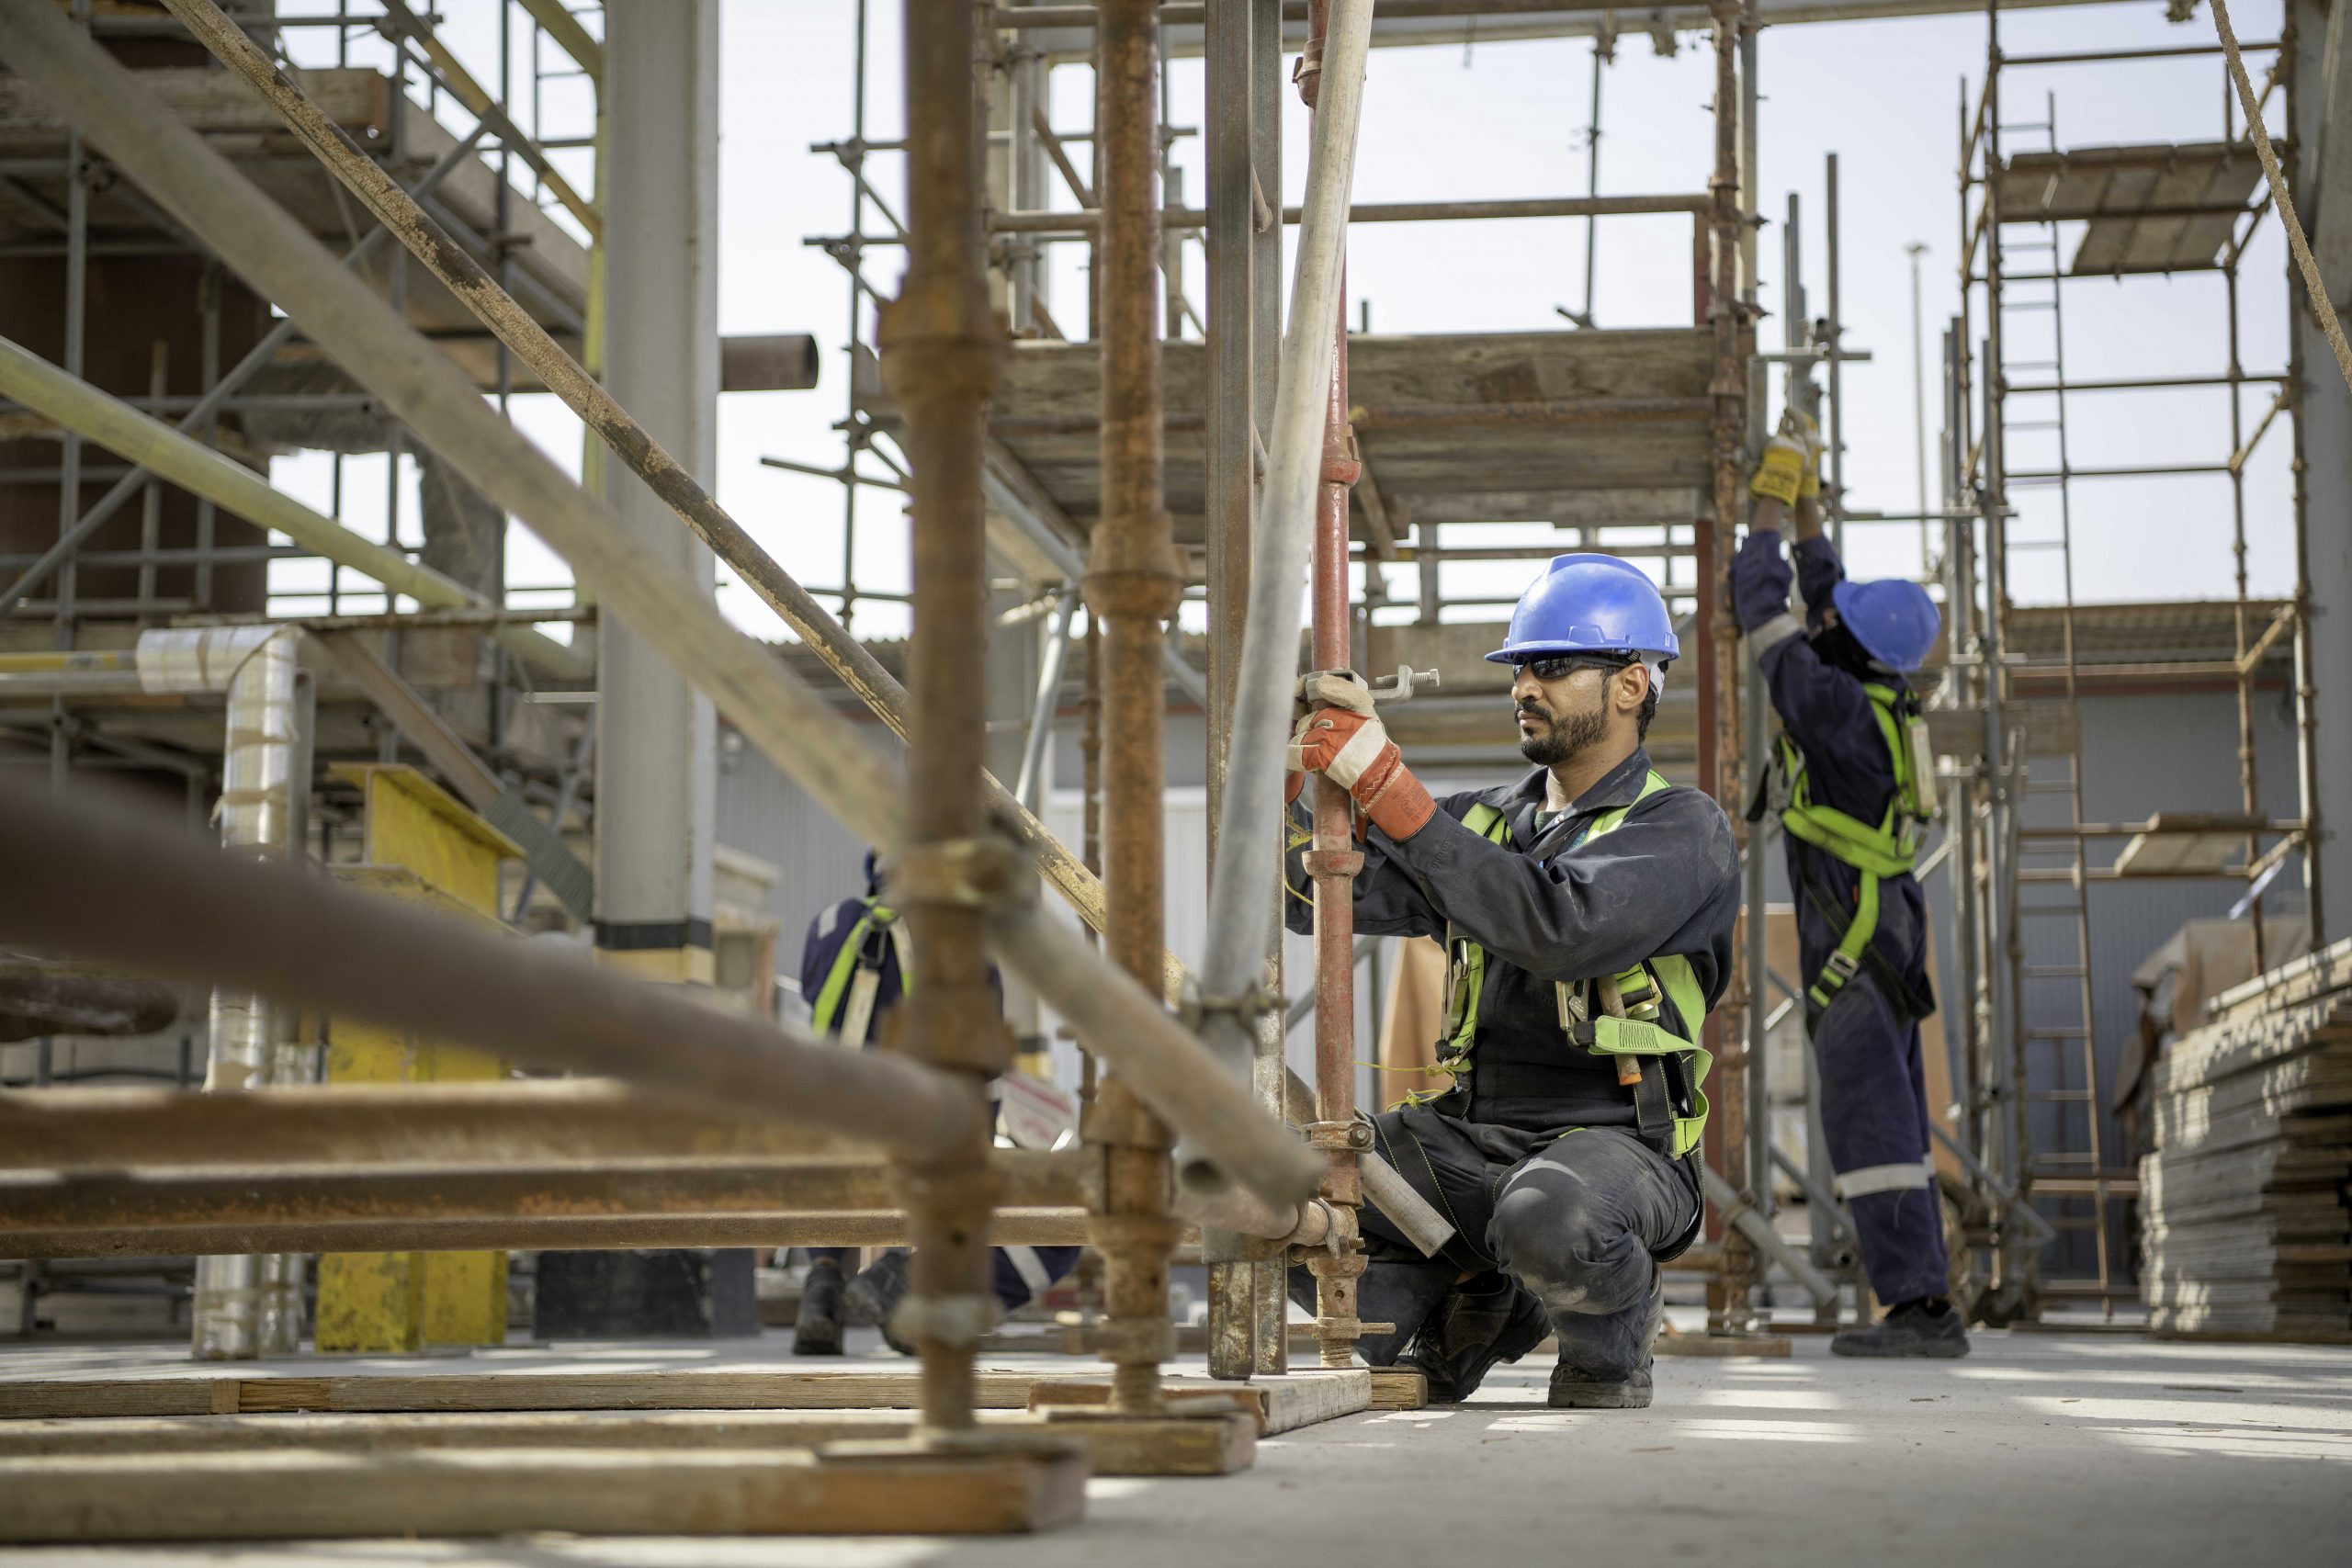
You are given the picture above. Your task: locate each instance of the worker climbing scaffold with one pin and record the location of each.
(1588, 911)
(1853, 784)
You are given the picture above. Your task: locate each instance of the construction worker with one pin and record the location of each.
(1587, 911)
(853, 970)
(1854, 789)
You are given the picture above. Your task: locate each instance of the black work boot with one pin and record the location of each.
(876, 1293)
(1573, 1388)
(1930, 1327)
(818, 1329)
(1463, 1342)
(1615, 1384)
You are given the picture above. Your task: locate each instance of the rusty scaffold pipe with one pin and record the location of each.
(1332, 860)
(472, 286)
(792, 725)
(940, 346)
(1133, 582)
(1720, 733)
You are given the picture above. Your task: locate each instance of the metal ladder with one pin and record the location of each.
(2059, 1078)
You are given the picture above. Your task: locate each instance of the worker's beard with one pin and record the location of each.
(1561, 739)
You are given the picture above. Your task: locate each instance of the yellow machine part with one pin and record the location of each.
(424, 846)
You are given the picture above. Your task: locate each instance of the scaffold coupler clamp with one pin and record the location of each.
(1399, 687)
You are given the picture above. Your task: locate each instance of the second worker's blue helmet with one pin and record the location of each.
(1893, 620)
(1589, 604)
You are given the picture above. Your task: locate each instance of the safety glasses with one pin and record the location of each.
(1559, 665)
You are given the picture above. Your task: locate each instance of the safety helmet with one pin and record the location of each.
(1588, 603)
(1893, 620)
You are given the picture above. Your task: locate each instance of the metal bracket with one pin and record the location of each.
(1399, 687)
(1355, 1135)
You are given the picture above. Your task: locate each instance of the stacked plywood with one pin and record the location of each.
(2246, 1202)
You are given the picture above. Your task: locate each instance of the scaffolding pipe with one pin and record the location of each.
(1029, 788)
(1241, 902)
(237, 1313)
(106, 420)
(1132, 583)
(1332, 860)
(1741, 1217)
(939, 350)
(792, 724)
(115, 887)
(560, 373)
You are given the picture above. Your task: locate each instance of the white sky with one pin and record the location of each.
(1508, 120)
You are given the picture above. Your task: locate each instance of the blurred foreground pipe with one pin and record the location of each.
(113, 886)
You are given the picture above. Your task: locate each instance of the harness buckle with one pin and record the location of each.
(1841, 966)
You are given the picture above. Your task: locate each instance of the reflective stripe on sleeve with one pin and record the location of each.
(1775, 632)
(1873, 1179)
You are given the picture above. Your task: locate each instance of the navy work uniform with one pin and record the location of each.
(853, 971)
(1585, 947)
(1851, 783)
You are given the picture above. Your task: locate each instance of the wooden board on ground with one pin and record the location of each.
(1396, 1388)
(1281, 1405)
(680, 1388)
(306, 1494)
(1183, 1446)
(1672, 1341)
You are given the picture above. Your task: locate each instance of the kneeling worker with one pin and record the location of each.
(1854, 786)
(1587, 911)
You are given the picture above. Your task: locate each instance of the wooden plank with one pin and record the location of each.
(1281, 1405)
(1723, 1346)
(305, 1493)
(676, 1389)
(1398, 1388)
(1193, 1445)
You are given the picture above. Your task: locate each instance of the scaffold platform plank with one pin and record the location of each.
(2150, 208)
(1191, 1445)
(308, 1494)
(1462, 427)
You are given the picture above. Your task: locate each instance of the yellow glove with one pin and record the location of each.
(1780, 473)
(1802, 428)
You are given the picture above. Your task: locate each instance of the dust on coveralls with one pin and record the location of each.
(1536, 1153)
(1863, 1015)
(852, 970)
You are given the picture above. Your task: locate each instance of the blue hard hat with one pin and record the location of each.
(1588, 605)
(1893, 620)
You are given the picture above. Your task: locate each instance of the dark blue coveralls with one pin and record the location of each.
(1866, 1043)
(1020, 1274)
(1533, 1153)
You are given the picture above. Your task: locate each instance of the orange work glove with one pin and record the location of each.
(1353, 750)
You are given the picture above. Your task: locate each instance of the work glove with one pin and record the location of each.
(1780, 472)
(1801, 428)
(1346, 743)
(1760, 580)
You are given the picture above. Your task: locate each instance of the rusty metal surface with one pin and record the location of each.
(48, 998)
(940, 344)
(1133, 582)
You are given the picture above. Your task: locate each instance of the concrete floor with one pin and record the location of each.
(2075, 1449)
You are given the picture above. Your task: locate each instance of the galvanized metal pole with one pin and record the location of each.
(1232, 348)
(258, 665)
(1332, 859)
(1720, 745)
(1241, 908)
